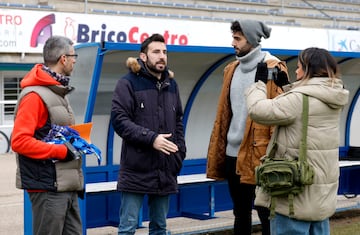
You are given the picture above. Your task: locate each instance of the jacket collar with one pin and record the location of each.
(136, 66)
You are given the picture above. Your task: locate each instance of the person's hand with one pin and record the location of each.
(164, 145)
(281, 79)
(72, 153)
(262, 73)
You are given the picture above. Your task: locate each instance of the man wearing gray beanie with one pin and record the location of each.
(237, 143)
(254, 31)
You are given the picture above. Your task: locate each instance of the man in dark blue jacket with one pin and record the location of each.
(147, 114)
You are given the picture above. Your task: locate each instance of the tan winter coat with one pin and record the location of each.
(326, 100)
(256, 136)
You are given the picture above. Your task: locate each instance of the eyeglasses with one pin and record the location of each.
(70, 55)
(74, 55)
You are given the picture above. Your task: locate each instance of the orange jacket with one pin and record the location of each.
(256, 136)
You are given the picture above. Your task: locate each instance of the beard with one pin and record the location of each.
(243, 51)
(155, 68)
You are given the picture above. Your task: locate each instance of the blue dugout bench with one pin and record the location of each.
(198, 197)
(194, 189)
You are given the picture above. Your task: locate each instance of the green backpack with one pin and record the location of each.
(281, 177)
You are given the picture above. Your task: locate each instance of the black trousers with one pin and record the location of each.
(243, 196)
(55, 213)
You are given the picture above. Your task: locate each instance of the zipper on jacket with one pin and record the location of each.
(158, 85)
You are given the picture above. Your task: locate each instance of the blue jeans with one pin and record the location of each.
(129, 213)
(284, 225)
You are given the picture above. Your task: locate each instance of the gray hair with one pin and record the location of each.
(54, 48)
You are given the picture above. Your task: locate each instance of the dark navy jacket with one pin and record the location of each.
(142, 108)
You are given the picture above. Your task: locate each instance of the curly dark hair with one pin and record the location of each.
(235, 27)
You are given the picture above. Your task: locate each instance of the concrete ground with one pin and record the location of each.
(12, 213)
(11, 199)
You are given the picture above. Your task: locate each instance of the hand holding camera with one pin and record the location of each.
(262, 73)
(281, 79)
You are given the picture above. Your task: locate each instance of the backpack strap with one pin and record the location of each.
(303, 146)
(302, 155)
(272, 207)
(291, 204)
(270, 153)
(305, 121)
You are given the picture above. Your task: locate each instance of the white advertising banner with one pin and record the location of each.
(26, 31)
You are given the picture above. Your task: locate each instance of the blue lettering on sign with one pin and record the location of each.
(134, 35)
(86, 35)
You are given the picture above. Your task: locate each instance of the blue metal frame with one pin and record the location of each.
(190, 166)
(198, 85)
(343, 149)
(94, 86)
(109, 172)
(349, 117)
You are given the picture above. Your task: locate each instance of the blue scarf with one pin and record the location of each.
(61, 134)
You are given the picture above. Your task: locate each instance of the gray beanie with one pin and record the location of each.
(253, 31)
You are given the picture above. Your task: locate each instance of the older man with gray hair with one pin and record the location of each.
(51, 173)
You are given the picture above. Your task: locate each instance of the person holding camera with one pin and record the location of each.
(51, 173)
(318, 78)
(237, 142)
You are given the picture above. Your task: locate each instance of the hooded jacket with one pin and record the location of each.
(142, 108)
(326, 100)
(42, 102)
(256, 136)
